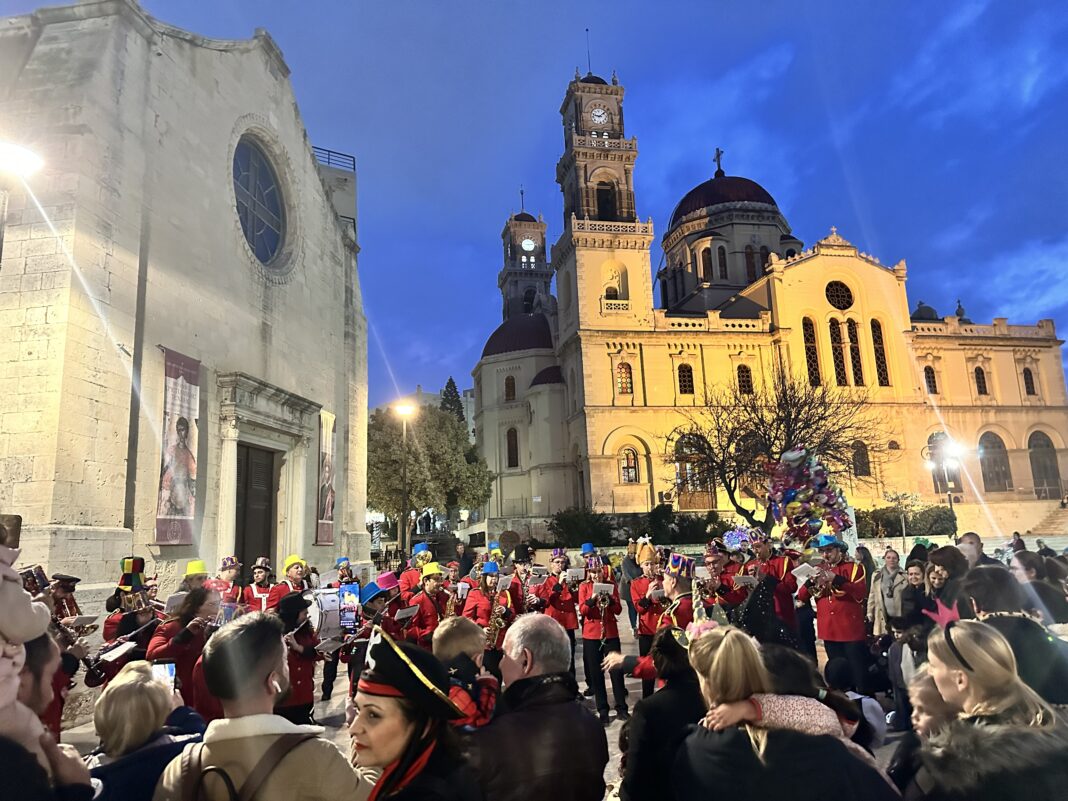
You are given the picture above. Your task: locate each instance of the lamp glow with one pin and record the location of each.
(404, 409)
(18, 161)
(929, 464)
(952, 449)
(951, 464)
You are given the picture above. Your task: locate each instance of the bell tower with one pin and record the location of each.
(526, 275)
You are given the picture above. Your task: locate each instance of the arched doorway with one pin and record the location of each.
(1044, 470)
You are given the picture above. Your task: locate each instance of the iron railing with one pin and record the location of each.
(332, 158)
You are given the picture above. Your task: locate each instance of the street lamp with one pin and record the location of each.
(18, 161)
(945, 456)
(404, 411)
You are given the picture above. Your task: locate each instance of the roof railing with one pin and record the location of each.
(332, 158)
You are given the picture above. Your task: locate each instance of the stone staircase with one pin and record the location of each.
(1055, 524)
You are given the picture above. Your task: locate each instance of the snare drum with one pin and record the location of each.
(324, 614)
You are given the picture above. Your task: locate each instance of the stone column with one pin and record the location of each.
(226, 520)
(297, 538)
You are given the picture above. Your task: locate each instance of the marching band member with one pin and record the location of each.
(72, 648)
(182, 637)
(196, 573)
(301, 655)
(722, 570)
(354, 652)
(411, 578)
(840, 592)
(387, 581)
(330, 661)
(229, 573)
(451, 583)
(776, 569)
(490, 609)
(344, 572)
(139, 622)
(495, 553)
(133, 569)
(257, 594)
(431, 601)
(558, 599)
(642, 591)
(600, 636)
(294, 569)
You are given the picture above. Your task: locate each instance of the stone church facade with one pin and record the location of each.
(180, 181)
(577, 394)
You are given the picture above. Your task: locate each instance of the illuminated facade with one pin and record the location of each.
(577, 395)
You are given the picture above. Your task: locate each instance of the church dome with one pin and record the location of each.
(519, 332)
(925, 313)
(550, 375)
(589, 77)
(524, 217)
(720, 189)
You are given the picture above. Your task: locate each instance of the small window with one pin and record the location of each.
(838, 354)
(624, 379)
(513, 447)
(509, 389)
(606, 202)
(882, 372)
(790, 253)
(706, 265)
(854, 353)
(980, 381)
(930, 381)
(750, 264)
(861, 460)
(722, 263)
(745, 379)
(628, 466)
(765, 256)
(611, 293)
(528, 300)
(1029, 381)
(685, 379)
(893, 445)
(812, 356)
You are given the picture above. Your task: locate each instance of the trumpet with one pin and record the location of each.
(602, 605)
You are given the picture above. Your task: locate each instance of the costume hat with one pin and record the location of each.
(292, 603)
(341, 560)
(228, 563)
(830, 541)
(65, 582)
(646, 551)
(387, 580)
(195, 567)
(587, 548)
(263, 563)
(403, 670)
(291, 560)
(431, 569)
(521, 554)
(491, 569)
(680, 566)
(133, 574)
(369, 592)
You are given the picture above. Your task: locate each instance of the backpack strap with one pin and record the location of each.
(268, 762)
(191, 777)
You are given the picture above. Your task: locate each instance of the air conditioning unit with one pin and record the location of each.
(667, 496)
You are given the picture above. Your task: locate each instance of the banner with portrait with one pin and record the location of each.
(177, 499)
(324, 504)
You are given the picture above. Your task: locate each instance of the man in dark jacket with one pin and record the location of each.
(1041, 658)
(466, 559)
(540, 697)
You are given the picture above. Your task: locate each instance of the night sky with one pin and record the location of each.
(923, 131)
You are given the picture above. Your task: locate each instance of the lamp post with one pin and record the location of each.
(404, 411)
(945, 456)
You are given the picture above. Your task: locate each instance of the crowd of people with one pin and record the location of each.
(462, 678)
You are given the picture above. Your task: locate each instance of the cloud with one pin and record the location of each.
(1027, 283)
(962, 231)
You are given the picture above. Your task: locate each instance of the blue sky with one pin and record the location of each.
(929, 132)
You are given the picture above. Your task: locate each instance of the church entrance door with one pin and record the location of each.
(257, 487)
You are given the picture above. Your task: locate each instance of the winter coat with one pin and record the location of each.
(794, 766)
(1041, 658)
(982, 759)
(1048, 600)
(443, 778)
(313, 770)
(657, 726)
(542, 744)
(878, 611)
(913, 602)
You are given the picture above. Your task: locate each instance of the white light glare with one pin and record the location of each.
(18, 161)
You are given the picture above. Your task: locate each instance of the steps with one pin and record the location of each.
(1053, 525)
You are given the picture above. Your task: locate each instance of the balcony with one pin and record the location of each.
(332, 158)
(614, 306)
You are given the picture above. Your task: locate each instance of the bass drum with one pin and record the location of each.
(324, 614)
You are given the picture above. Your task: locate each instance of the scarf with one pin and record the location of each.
(414, 770)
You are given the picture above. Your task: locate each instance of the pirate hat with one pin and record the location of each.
(403, 670)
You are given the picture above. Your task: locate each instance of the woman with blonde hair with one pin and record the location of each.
(142, 726)
(758, 763)
(1006, 740)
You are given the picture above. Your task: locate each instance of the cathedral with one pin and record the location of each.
(577, 392)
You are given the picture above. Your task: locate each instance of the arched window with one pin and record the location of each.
(750, 264)
(1029, 381)
(624, 379)
(930, 381)
(812, 355)
(790, 253)
(528, 300)
(1044, 470)
(260, 206)
(694, 487)
(945, 469)
(745, 379)
(606, 202)
(628, 466)
(611, 293)
(980, 381)
(764, 256)
(854, 353)
(685, 379)
(722, 263)
(664, 292)
(882, 372)
(706, 265)
(861, 460)
(509, 389)
(838, 354)
(513, 447)
(893, 445)
(994, 462)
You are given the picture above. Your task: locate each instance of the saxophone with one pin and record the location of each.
(496, 623)
(450, 602)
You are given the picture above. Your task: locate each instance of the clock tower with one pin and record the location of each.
(525, 278)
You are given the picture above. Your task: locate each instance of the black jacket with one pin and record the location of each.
(1048, 600)
(542, 744)
(1041, 658)
(913, 602)
(657, 726)
(977, 759)
(795, 766)
(443, 778)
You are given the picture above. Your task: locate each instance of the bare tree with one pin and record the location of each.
(728, 443)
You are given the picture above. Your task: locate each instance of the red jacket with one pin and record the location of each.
(302, 669)
(840, 606)
(173, 641)
(519, 598)
(780, 567)
(560, 606)
(479, 608)
(111, 626)
(280, 591)
(431, 611)
(398, 631)
(232, 594)
(458, 606)
(409, 581)
(591, 614)
(648, 610)
(256, 597)
(678, 613)
(207, 705)
(728, 593)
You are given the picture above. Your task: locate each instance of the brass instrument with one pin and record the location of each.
(450, 602)
(496, 623)
(602, 605)
(68, 607)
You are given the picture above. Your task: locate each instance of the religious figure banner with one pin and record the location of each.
(176, 505)
(324, 528)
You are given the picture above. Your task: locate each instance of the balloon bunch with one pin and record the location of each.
(803, 496)
(737, 539)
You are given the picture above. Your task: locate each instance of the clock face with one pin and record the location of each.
(599, 116)
(528, 245)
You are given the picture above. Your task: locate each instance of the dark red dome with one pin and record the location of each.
(524, 217)
(550, 375)
(519, 332)
(589, 77)
(720, 189)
